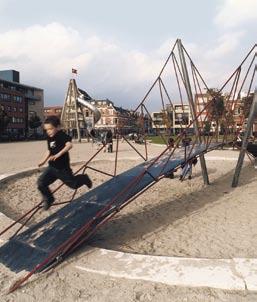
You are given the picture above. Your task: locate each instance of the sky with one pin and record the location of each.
(117, 46)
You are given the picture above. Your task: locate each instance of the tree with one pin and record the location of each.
(246, 105)
(229, 122)
(216, 108)
(34, 122)
(207, 128)
(167, 120)
(4, 120)
(222, 128)
(139, 122)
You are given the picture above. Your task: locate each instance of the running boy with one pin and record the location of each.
(57, 155)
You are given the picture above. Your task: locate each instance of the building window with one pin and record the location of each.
(5, 97)
(14, 109)
(17, 98)
(21, 109)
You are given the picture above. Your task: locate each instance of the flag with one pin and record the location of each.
(74, 71)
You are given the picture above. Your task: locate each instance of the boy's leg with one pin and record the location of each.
(44, 180)
(83, 179)
(72, 181)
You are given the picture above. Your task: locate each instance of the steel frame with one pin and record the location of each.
(106, 213)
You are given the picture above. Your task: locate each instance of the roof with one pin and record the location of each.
(19, 84)
(85, 94)
(105, 100)
(52, 107)
(121, 110)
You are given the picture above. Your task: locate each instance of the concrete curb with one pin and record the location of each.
(226, 274)
(29, 171)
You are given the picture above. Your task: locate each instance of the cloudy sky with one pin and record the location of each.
(118, 46)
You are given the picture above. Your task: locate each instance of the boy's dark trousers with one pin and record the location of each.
(51, 174)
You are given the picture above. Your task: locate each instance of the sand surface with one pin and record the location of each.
(173, 218)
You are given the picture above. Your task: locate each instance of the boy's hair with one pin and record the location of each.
(53, 120)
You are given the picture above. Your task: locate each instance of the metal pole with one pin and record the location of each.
(116, 153)
(251, 118)
(75, 96)
(192, 106)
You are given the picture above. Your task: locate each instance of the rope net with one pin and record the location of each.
(211, 116)
(183, 111)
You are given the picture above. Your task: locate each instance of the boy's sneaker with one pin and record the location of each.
(88, 181)
(47, 204)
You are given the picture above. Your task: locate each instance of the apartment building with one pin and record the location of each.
(175, 118)
(19, 101)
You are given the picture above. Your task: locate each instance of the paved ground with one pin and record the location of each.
(23, 155)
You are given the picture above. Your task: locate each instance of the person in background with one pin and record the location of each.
(187, 169)
(171, 142)
(109, 141)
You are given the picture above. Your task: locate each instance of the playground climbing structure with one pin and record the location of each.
(75, 221)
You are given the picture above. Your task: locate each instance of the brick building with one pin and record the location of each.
(112, 116)
(19, 101)
(52, 110)
(201, 100)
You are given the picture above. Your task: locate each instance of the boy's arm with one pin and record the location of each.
(44, 159)
(67, 147)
